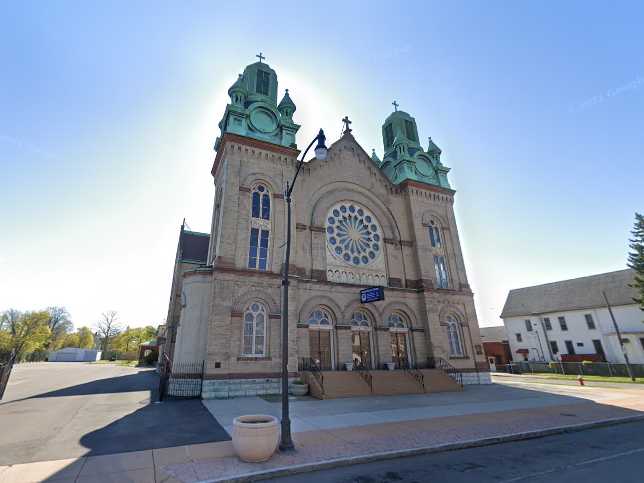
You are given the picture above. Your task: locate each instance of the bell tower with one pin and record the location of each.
(253, 110)
(405, 158)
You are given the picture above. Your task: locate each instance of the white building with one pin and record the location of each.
(74, 354)
(570, 321)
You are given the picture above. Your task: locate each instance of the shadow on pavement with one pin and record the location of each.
(182, 422)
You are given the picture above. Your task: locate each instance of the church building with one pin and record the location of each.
(358, 221)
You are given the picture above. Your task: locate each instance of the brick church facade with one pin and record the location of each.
(358, 221)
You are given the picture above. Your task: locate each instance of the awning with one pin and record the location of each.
(523, 351)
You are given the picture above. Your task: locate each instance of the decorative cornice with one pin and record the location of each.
(428, 187)
(228, 137)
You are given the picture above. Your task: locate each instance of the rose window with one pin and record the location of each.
(353, 234)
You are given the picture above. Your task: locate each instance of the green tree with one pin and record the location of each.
(636, 258)
(70, 340)
(85, 338)
(131, 338)
(31, 332)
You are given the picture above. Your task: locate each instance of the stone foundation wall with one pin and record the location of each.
(474, 378)
(227, 388)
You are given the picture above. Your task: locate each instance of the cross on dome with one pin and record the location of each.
(346, 122)
(260, 57)
(395, 104)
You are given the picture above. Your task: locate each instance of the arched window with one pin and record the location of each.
(261, 202)
(434, 234)
(254, 343)
(395, 321)
(360, 320)
(319, 318)
(260, 228)
(454, 337)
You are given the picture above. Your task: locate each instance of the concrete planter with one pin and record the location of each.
(255, 437)
(348, 366)
(390, 365)
(299, 389)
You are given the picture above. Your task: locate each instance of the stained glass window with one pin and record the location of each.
(353, 235)
(434, 235)
(254, 343)
(260, 228)
(454, 337)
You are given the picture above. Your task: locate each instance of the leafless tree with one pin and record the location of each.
(108, 328)
(59, 322)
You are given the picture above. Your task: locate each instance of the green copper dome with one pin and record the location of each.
(404, 158)
(253, 109)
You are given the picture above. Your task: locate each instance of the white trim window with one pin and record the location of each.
(254, 338)
(454, 337)
(260, 228)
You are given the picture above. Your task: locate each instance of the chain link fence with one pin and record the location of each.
(606, 369)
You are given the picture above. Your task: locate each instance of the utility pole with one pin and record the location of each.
(619, 337)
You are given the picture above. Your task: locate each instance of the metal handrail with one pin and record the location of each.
(309, 364)
(416, 374)
(445, 366)
(367, 376)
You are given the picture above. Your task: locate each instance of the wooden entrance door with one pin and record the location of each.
(320, 348)
(361, 350)
(399, 349)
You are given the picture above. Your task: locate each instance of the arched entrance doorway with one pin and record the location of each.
(399, 333)
(320, 338)
(361, 354)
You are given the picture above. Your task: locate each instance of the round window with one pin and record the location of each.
(353, 234)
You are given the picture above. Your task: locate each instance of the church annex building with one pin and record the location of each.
(358, 221)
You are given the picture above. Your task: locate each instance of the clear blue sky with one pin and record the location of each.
(109, 110)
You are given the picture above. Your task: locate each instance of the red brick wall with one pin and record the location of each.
(498, 350)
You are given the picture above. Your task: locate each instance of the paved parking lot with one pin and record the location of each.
(64, 409)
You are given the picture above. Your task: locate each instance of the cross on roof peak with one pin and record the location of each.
(395, 104)
(260, 57)
(346, 122)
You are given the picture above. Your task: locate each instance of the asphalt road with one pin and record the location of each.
(61, 410)
(610, 454)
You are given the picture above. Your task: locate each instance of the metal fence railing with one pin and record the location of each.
(607, 369)
(182, 379)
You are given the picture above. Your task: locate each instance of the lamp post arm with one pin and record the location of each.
(289, 188)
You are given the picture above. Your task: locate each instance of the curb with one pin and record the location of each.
(474, 443)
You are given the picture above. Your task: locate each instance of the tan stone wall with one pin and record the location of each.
(403, 213)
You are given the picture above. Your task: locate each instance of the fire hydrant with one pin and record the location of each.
(580, 379)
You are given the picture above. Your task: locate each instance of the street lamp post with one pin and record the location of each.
(286, 442)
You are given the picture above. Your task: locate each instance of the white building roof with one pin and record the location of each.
(576, 294)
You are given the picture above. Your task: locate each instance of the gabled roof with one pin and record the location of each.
(193, 246)
(493, 334)
(576, 294)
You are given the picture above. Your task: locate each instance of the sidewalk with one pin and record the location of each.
(440, 422)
